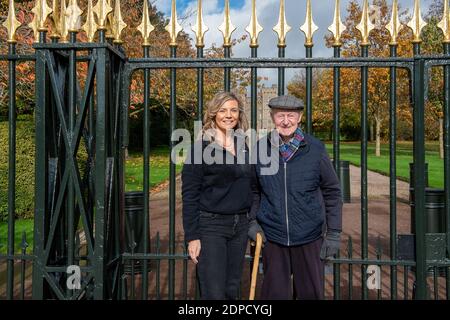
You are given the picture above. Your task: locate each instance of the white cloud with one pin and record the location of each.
(267, 12)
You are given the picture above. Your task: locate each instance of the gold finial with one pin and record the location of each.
(102, 9)
(73, 16)
(337, 28)
(173, 27)
(62, 27)
(146, 26)
(416, 23)
(55, 18)
(108, 22)
(200, 28)
(308, 28)
(33, 25)
(117, 23)
(444, 25)
(365, 26)
(394, 25)
(90, 27)
(282, 28)
(227, 27)
(41, 10)
(11, 24)
(254, 28)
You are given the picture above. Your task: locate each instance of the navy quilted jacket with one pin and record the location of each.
(302, 199)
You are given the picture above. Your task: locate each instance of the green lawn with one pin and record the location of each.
(351, 151)
(159, 169)
(21, 226)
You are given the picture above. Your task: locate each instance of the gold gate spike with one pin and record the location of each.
(444, 25)
(11, 23)
(282, 28)
(117, 23)
(365, 26)
(394, 26)
(146, 27)
(416, 24)
(73, 15)
(254, 27)
(34, 26)
(227, 27)
(90, 27)
(337, 28)
(200, 28)
(173, 27)
(109, 22)
(55, 18)
(41, 10)
(102, 9)
(308, 28)
(62, 25)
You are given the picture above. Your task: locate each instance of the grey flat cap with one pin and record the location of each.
(286, 102)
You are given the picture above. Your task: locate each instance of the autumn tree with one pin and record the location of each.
(432, 44)
(25, 70)
(322, 113)
(132, 11)
(378, 86)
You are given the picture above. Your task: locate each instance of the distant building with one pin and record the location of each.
(264, 94)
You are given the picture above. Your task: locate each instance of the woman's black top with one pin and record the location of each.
(213, 183)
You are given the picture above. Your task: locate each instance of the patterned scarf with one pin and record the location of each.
(288, 149)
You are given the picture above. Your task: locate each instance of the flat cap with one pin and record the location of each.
(286, 102)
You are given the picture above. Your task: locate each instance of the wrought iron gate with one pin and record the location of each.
(84, 191)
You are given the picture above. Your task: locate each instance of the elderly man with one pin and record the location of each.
(300, 211)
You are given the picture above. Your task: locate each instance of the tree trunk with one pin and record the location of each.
(378, 138)
(441, 138)
(370, 131)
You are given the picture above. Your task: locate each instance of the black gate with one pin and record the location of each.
(82, 134)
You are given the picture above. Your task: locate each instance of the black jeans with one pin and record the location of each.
(223, 240)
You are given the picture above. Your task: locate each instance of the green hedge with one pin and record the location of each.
(24, 168)
(25, 148)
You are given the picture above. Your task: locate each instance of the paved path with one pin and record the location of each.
(378, 232)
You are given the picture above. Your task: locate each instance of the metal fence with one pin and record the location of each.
(82, 134)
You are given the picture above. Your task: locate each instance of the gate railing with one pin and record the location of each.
(82, 133)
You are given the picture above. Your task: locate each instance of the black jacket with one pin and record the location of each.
(216, 187)
(302, 198)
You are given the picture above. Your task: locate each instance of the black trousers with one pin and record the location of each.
(302, 262)
(223, 240)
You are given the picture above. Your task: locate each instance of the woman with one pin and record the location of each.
(217, 192)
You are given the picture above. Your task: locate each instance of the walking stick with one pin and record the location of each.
(255, 266)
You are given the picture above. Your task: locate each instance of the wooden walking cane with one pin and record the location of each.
(255, 266)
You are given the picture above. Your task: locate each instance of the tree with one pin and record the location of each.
(432, 44)
(378, 86)
(25, 74)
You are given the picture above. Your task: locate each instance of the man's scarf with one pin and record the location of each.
(288, 149)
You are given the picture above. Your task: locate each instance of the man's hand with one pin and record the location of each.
(253, 229)
(330, 245)
(194, 247)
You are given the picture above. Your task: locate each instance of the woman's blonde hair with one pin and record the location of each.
(213, 106)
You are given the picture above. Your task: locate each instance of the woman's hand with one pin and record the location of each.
(194, 247)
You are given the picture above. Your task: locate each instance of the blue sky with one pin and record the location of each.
(183, 4)
(267, 12)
